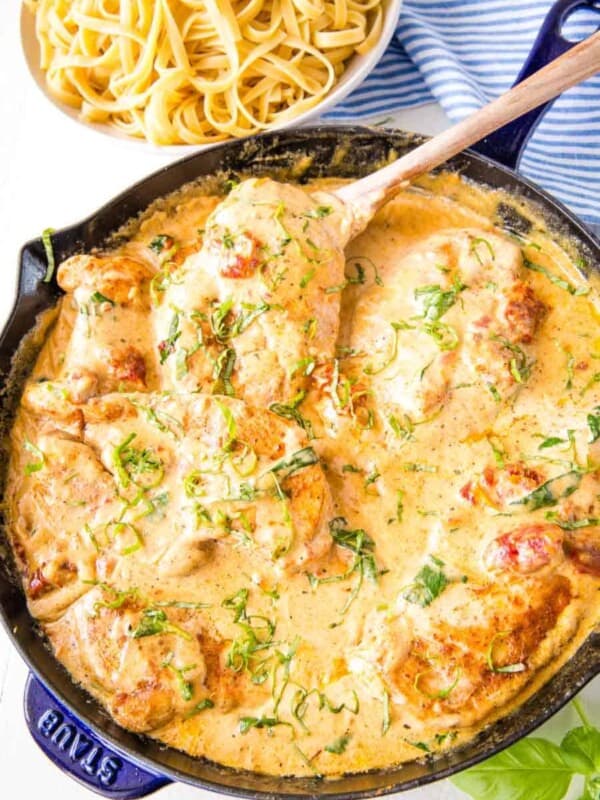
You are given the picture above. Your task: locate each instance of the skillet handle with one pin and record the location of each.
(507, 144)
(79, 752)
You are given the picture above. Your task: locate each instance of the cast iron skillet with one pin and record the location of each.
(70, 727)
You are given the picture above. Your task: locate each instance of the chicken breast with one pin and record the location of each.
(259, 302)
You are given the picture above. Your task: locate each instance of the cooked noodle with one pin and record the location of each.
(199, 71)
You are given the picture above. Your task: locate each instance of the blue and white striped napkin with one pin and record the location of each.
(462, 54)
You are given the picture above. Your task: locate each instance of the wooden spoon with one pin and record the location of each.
(362, 198)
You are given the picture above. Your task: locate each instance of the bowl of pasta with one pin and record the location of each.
(178, 74)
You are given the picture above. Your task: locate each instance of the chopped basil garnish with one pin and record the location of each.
(294, 462)
(246, 652)
(246, 723)
(307, 278)
(359, 277)
(339, 746)
(413, 466)
(120, 597)
(180, 604)
(593, 421)
(499, 454)
(387, 713)
(479, 241)
(154, 621)
(310, 327)
(164, 422)
(203, 705)
(520, 368)
(435, 301)
(491, 662)
(399, 505)
(222, 373)
(49, 250)
(226, 326)
(550, 492)
(304, 366)
(445, 336)
(167, 346)
(441, 694)
(186, 689)
(228, 240)
(405, 430)
(552, 441)
(158, 244)
(360, 270)
(319, 212)
(428, 584)
(290, 411)
(396, 327)
(301, 699)
(594, 379)
(230, 424)
(98, 297)
(572, 525)
(34, 466)
(561, 282)
(570, 368)
(132, 464)
(358, 542)
(493, 390)
(237, 603)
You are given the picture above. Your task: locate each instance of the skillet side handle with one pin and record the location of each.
(78, 752)
(507, 144)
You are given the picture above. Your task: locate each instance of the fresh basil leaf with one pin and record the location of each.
(591, 789)
(582, 749)
(532, 769)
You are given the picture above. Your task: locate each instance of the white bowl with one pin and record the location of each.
(356, 71)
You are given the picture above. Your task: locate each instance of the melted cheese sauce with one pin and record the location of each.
(323, 514)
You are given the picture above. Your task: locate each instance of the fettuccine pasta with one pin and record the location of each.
(199, 71)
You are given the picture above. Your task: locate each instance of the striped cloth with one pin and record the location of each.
(462, 54)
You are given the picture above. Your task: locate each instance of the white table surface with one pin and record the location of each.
(53, 173)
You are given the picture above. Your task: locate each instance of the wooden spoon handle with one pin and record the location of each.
(366, 195)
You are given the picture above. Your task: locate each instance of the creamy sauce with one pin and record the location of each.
(303, 511)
